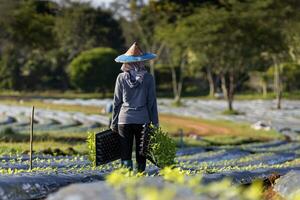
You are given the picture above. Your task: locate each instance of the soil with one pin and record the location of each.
(199, 128)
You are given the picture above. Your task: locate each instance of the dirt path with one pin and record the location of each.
(195, 126)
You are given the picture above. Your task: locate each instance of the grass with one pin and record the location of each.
(7, 148)
(69, 94)
(44, 136)
(51, 141)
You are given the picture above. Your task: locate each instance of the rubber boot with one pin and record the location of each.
(127, 164)
(141, 167)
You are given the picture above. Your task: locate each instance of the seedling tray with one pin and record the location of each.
(107, 147)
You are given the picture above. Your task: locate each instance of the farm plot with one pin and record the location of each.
(242, 160)
(17, 117)
(241, 163)
(287, 119)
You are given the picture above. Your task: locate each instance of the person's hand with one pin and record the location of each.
(114, 129)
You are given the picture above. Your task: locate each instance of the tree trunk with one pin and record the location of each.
(180, 82)
(174, 82)
(223, 85)
(151, 64)
(177, 84)
(230, 91)
(277, 83)
(229, 102)
(264, 88)
(210, 82)
(278, 100)
(158, 49)
(176, 87)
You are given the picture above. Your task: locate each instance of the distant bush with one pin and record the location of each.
(94, 70)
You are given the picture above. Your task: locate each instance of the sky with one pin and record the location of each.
(95, 3)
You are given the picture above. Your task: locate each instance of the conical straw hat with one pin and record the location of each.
(134, 54)
(134, 50)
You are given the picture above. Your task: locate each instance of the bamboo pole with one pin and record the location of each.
(31, 137)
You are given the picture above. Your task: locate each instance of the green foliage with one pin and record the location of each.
(38, 40)
(26, 26)
(42, 70)
(290, 74)
(91, 147)
(134, 186)
(81, 27)
(30, 25)
(10, 68)
(94, 70)
(162, 148)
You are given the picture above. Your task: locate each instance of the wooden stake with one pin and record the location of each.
(31, 137)
(181, 138)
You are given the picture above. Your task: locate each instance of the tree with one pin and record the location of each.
(81, 27)
(176, 56)
(231, 37)
(282, 16)
(94, 70)
(38, 39)
(141, 24)
(25, 26)
(290, 74)
(170, 37)
(138, 25)
(43, 70)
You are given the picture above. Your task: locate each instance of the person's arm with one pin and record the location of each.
(152, 103)
(117, 103)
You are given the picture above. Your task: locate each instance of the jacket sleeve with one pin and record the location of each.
(152, 103)
(117, 103)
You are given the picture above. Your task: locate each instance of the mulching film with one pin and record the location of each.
(241, 163)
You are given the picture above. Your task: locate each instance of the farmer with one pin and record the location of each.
(134, 104)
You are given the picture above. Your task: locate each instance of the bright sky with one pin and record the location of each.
(95, 3)
(98, 2)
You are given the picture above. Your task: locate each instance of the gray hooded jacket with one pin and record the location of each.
(134, 105)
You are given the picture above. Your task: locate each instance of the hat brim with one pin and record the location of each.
(128, 59)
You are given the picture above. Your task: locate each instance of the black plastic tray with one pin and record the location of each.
(107, 147)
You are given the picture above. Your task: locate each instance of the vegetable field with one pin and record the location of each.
(204, 166)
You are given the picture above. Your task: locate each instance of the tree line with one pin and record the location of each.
(208, 45)
(39, 40)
